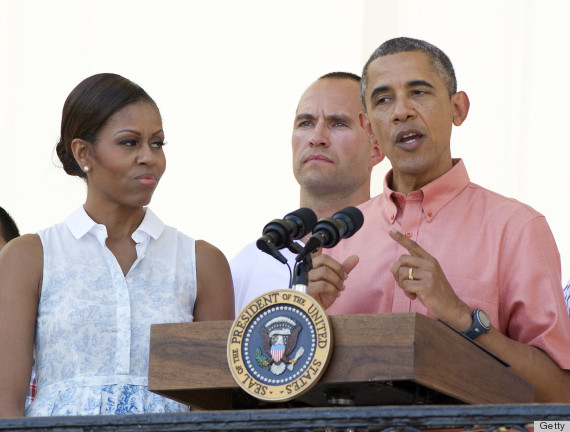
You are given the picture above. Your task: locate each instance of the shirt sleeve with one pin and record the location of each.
(532, 306)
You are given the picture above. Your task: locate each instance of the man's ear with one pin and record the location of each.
(377, 154)
(80, 149)
(365, 124)
(460, 103)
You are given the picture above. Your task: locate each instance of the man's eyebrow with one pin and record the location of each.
(419, 83)
(413, 83)
(342, 118)
(380, 89)
(304, 116)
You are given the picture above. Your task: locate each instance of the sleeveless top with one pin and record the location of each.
(93, 324)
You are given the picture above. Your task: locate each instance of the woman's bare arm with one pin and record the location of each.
(215, 298)
(21, 268)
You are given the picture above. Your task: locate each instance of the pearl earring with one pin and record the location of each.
(86, 168)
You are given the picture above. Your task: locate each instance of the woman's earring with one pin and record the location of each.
(86, 168)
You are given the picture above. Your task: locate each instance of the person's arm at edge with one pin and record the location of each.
(551, 383)
(21, 267)
(215, 292)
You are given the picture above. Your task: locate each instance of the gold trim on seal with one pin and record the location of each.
(252, 365)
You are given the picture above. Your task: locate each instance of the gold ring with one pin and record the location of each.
(410, 275)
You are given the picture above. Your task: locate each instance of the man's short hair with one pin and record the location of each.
(8, 228)
(438, 58)
(341, 75)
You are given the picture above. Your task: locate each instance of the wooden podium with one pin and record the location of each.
(378, 359)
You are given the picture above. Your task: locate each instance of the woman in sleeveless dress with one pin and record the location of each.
(81, 295)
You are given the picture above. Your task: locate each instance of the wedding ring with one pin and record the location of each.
(410, 275)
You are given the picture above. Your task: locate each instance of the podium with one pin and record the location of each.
(378, 359)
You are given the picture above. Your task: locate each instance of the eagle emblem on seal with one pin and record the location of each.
(279, 338)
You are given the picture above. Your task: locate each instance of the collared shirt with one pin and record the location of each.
(497, 253)
(93, 324)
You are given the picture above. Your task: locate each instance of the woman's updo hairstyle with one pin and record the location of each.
(87, 109)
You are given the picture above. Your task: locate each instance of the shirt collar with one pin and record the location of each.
(150, 225)
(79, 223)
(436, 194)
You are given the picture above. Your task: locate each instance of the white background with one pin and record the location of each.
(227, 76)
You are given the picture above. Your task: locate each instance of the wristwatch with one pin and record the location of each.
(481, 324)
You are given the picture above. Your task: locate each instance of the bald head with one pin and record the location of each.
(332, 155)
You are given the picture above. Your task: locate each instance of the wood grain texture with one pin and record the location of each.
(373, 354)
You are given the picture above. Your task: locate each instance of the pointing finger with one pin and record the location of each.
(413, 248)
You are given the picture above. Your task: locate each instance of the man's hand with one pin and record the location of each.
(429, 284)
(326, 279)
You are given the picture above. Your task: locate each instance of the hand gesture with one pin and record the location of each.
(326, 279)
(421, 277)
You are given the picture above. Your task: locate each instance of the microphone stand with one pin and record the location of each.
(300, 279)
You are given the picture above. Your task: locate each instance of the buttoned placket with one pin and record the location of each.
(120, 285)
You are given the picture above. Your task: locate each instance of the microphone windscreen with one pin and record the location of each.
(305, 218)
(353, 217)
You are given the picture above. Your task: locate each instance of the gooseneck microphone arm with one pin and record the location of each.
(266, 245)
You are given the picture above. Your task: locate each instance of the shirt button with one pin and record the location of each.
(430, 214)
(392, 217)
(129, 280)
(408, 234)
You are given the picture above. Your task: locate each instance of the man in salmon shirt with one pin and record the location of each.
(437, 244)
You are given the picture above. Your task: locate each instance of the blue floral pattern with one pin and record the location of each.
(93, 324)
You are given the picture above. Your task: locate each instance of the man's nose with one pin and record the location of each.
(404, 109)
(320, 136)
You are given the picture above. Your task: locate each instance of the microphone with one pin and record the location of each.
(279, 233)
(329, 231)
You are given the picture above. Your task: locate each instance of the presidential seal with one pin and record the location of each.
(280, 345)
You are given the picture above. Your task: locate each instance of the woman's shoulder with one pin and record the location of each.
(208, 251)
(25, 246)
(21, 262)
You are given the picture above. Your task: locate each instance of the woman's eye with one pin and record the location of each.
(129, 143)
(157, 144)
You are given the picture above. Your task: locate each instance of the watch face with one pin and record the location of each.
(483, 318)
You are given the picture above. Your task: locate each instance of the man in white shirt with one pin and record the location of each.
(333, 159)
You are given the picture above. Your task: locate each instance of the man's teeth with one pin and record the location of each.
(409, 135)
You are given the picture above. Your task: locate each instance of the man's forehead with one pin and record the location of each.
(408, 68)
(336, 96)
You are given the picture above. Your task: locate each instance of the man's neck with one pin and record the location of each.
(327, 206)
